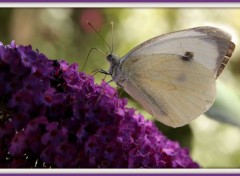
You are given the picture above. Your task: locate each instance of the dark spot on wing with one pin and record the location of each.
(188, 56)
(222, 66)
(182, 77)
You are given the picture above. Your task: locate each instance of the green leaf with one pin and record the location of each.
(183, 134)
(226, 107)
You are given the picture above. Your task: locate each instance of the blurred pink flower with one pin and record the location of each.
(94, 16)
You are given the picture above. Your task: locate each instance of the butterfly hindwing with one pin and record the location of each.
(173, 90)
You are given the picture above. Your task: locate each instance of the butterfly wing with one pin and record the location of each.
(174, 91)
(210, 46)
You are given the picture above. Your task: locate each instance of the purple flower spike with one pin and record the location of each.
(54, 116)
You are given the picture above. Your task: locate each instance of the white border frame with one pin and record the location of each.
(119, 5)
(119, 171)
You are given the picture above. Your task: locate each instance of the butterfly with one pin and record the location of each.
(173, 76)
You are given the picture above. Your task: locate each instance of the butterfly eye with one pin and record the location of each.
(110, 58)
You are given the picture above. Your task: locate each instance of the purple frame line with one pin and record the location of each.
(144, 174)
(112, 1)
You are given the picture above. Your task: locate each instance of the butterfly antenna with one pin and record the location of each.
(99, 35)
(89, 55)
(112, 37)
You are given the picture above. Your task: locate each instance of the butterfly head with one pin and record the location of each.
(112, 59)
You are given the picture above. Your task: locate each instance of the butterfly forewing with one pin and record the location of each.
(210, 46)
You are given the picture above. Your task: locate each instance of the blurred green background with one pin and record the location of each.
(64, 34)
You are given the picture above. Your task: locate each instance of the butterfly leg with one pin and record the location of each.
(100, 71)
(101, 91)
(105, 75)
(116, 93)
(119, 95)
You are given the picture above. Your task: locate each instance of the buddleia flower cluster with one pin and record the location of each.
(53, 116)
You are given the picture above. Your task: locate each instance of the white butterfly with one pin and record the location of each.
(173, 75)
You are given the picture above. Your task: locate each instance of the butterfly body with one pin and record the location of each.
(173, 75)
(115, 70)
